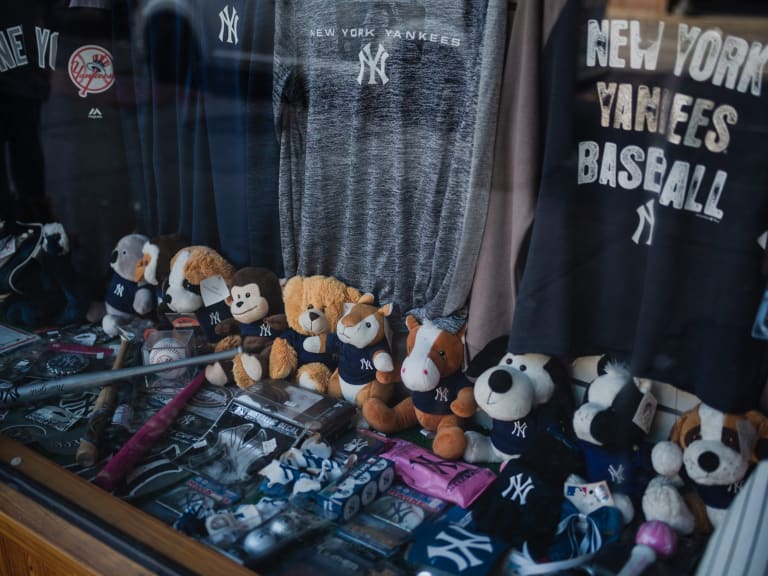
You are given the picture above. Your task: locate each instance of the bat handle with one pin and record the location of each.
(88, 450)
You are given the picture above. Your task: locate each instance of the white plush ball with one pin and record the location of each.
(168, 350)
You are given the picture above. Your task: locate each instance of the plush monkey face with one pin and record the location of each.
(248, 305)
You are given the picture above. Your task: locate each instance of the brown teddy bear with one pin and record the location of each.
(256, 305)
(313, 306)
(198, 284)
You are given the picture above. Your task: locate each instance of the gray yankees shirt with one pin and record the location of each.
(385, 112)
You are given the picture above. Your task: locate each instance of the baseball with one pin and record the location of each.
(168, 350)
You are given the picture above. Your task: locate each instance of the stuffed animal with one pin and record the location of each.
(198, 284)
(38, 282)
(710, 451)
(523, 395)
(313, 306)
(256, 305)
(366, 369)
(154, 266)
(611, 426)
(126, 299)
(441, 398)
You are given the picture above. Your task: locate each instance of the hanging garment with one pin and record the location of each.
(385, 113)
(651, 199)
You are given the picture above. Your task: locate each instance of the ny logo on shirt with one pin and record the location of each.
(119, 290)
(373, 64)
(462, 547)
(365, 364)
(521, 488)
(229, 22)
(265, 330)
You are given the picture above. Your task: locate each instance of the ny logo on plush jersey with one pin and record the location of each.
(373, 64)
(214, 318)
(617, 473)
(119, 290)
(461, 547)
(365, 364)
(229, 22)
(265, 331)
(521, 488)
(441, 394)
(519, 429)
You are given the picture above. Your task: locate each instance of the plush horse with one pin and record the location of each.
(366, 369)
(441, 396)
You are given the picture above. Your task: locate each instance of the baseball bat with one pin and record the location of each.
(12, 394)
(88, 450)
(140, 443)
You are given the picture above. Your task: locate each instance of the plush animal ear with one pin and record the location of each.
(760, 422)
(366, 298)
(488, 357)
(683, 424)
(386, 310)
(412, 323)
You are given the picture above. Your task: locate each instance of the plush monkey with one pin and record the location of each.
(258, 317)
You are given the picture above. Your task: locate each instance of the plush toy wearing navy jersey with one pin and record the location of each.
(523, 394)
(611, 426)
(256, 305)
(192, 270)
(313, 307)
(441, 397)
(711, 452)
(366, 369)
(126, 298)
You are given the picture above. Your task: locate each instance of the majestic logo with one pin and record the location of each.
(646, 220)
(617, 474)
(229, 22)
(365, 364)
(374, 65)
(441, 394)
(94, 114)
(460, 547)
(91, 69)
(521, 489)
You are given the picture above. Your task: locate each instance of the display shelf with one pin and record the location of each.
(53, 522)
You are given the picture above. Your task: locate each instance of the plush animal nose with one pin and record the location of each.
(167, 298)
(709, 461)
(500, 381)
(239, 303)
(313, 316)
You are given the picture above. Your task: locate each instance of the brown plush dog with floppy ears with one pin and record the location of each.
(256, 305)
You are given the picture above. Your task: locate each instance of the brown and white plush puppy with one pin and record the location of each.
(366, 369)
(154, 266)
(195, 269)
(717, 452)
(256, 305)
(313, 306)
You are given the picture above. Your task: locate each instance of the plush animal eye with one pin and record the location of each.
(509, 360)
(730, 438)
(522, 367)
(442, 353)
(692, 435)
(247, 294)
(367, 324)
(310, 307)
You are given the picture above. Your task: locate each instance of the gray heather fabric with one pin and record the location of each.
(385, 113)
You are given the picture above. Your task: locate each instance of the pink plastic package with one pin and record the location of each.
(454, 481)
